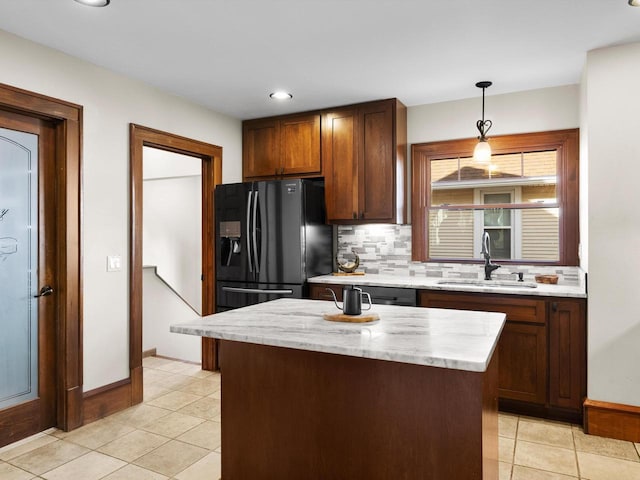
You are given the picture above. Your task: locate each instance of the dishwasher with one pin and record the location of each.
(391, 295)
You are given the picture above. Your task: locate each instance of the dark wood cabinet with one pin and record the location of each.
(360, 150)
(567, 353)
(318, 291)
(281, 146)
(364, 153)
(522, 346)
(260, 148)
(523, 362)
(542, 350)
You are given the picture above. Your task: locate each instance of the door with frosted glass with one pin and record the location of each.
(27, 360)
(18, 267)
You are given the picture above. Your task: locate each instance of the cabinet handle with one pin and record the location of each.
(554, 306)
(355, 216)
(277, 171)
(282, 171)
(361, 215)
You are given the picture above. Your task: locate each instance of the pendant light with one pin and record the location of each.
(482, 152)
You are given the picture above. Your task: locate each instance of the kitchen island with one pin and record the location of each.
(410, 396)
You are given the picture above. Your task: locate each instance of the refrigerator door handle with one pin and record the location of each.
(257, 290)
(256, 260)
(249, 231)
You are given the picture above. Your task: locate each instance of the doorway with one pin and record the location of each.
(211, 157)
(171, 244)
(40, 368)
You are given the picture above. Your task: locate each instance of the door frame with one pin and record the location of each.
(211, 156)
(66, 118)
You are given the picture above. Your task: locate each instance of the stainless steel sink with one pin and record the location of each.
(489, 283)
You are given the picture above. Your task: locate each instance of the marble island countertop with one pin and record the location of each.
(452, 284)
(460, 340)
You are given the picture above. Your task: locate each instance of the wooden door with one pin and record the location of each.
(377, 163)
(300, 145)
(340, 157)
(261, 148)
(27, 263)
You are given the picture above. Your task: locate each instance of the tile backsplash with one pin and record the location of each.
(386, 249)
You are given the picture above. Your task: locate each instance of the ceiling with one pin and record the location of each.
(230, 54)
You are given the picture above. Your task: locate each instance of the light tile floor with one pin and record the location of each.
(175, 434)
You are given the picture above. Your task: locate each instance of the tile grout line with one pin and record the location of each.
(575, 453)
(515, 445)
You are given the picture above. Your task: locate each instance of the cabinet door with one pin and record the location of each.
(300, 145)
(377, 162)
(261, 148)
(319, 292)
(523, 362)
(567, 353)
(340, 157)
(523, 343)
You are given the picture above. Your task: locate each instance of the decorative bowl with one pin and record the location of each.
(551, 279)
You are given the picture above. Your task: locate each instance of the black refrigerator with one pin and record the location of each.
(270, 237)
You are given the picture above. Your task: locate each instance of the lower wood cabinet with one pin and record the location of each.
(567, 353)
(319, 291)
(523, 344)
(523, 362)
(542, 350)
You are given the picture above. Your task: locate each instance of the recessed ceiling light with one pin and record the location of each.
(634, 3)
(281, 95)
(94, 3)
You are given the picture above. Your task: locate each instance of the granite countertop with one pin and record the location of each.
(460, 340)
(461, 285)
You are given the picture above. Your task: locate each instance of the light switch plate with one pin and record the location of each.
(114, 263)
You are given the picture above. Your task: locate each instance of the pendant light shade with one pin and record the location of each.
(482, 152)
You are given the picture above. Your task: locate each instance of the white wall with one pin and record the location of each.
(172, 221)
(161, 307)
(110, 102)
(158, 163)
(584, 175)
(554, 108)
(612, 106)
(172, 234)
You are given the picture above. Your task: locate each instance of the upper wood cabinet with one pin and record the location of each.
(281, 146)
(364, 155)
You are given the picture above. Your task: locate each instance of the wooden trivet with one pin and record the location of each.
(345, 274)
(341, 317)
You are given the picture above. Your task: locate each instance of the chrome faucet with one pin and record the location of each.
(488, 266)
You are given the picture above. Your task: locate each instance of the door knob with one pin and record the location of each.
(44, 291)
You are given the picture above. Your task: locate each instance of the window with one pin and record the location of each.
(499, 223)
(526, 198)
